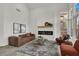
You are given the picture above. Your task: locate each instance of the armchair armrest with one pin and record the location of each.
(68, 50)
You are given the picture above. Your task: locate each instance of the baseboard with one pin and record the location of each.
(3, 44)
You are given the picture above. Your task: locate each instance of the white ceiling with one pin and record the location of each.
(53, 7)
(37, 5)
(56, 6)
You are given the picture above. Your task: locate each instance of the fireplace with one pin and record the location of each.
(45, 32)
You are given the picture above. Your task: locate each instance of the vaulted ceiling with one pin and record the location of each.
(53, 8)
(56, 7)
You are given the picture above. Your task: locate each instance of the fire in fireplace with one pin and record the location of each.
(45, 32)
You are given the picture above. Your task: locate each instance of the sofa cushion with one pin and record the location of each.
(59, 41)
(28, 34)
(76, 45)
(22, 36)
(68, 42)
(68, 50)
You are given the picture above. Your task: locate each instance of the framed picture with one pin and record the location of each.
(16, 28)
(23, 28)
(19, 28)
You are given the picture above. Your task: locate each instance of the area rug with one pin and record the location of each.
(48, 48)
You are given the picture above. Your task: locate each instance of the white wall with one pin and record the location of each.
(31, 17)
(1, 25)
(11, 15)
(41, 15)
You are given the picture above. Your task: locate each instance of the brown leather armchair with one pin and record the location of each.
(68, 50)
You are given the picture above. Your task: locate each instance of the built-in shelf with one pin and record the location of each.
(43, 26)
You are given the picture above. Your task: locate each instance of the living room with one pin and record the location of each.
(34, 18)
